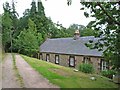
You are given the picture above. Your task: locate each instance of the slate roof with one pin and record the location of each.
(70, 46)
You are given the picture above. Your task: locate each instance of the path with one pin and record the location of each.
(9, 79)
(31, 78)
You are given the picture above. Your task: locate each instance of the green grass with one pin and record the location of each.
(65, 77)
(2, 55)
(19, 78)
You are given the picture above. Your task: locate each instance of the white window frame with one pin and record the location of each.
(56, 59)
(104, 65)
(47, 57)
(73, 62)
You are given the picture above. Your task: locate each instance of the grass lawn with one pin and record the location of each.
(65, 77)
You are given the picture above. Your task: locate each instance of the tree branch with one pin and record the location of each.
(107, 13)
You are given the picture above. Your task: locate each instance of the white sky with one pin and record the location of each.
(58, 10)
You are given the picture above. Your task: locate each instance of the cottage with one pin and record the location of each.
(71, 52)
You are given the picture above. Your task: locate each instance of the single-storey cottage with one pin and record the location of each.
(72, 52)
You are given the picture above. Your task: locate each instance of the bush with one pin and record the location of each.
(86, 68)
(108, 73)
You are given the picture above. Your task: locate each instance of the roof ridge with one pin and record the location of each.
(72, 37)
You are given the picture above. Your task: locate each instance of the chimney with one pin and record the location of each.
(76, 35)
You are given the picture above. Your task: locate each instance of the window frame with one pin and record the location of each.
(58, 59)
(86, 60)
(70, 61)
(103, 65)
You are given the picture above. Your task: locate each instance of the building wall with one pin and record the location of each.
(96, 63)
(52, 58)
(64, 60)
(44, 56)
(79, 60)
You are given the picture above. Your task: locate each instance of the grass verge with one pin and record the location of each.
(2, 56)
(65, 77)
(19, 78)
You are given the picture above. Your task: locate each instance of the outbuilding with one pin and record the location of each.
(71, 52)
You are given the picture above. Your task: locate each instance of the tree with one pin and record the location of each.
(1, 47)
(6, 27)
(29, 40)
(87, 32)
(107, 27)
(40, 9)
(9, 23)
(33, 10)
(14, 17)
(37, 15)
(84, 31)
(107, 16)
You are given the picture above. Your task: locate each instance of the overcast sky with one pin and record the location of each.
(58, 10)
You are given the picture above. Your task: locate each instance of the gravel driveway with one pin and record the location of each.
(9, 79)
(31, 78)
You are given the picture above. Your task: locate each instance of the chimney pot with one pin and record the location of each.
(76, 34)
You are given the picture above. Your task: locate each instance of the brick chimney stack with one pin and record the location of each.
(76, 35)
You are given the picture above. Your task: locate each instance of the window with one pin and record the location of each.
(57, 59)
(86, 60)
(41, 57)
(103, 65)
(47, 57)
(72, 61)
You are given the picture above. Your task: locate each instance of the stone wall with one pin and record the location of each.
(96, 63)
(79, 60)
(64, 60)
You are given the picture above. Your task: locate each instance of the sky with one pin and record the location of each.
(57, 10)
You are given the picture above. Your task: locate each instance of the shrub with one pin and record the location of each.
(108, 73)
(86, 68)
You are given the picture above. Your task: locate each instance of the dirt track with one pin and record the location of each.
(31, 78)
(9, 79)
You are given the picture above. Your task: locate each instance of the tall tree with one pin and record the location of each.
(108, 23)
(40, 8)
(6, 27)
(14, 17)
(33, 9)
(9, 22)
(29, 40)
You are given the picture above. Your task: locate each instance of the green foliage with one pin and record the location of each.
(87, 32)
(74, 27)
(6, 29)
(86, 14)
(107, 27)
(19, 31)
(84, 31)
(86, 68)
(29, 40)
(26, 36)
(108, 73)
(9, 25)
